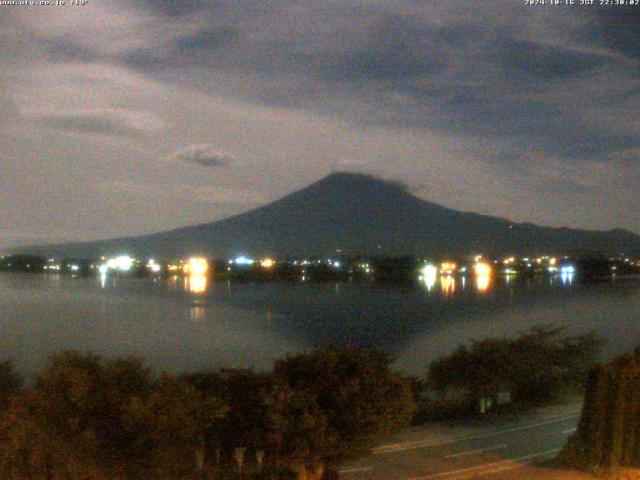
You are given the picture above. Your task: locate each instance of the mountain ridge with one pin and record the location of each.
(355, 214)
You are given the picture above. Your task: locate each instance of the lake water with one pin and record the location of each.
(178, 324)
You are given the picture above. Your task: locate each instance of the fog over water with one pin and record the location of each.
(178, 324)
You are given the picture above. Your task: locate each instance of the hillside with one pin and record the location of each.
(357, 214)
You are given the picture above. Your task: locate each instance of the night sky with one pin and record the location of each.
(129, 117)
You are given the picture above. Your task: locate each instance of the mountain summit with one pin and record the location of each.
(355, 214)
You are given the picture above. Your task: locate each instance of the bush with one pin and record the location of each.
(535, 368)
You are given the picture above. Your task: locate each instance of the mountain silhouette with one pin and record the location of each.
(354, 214)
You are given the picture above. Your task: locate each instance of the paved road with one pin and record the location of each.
(488, 451)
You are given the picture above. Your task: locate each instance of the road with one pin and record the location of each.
(495, 449)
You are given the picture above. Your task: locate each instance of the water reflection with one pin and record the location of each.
(254, 323)
(566, 278)
(195, 283)
(429, 276)
(198, 313)
(448, 285)
(483, 273)
(483, 282)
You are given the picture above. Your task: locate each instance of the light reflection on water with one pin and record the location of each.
(448, 285)
(195, 283)
(483, 282)
(186, 323)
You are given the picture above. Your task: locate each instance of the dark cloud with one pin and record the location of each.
(108, 123)
(62, 49)
(462, 77)
(205, 155)
(199, 49)
(459, 93)
(619, 28)
(546, 61)
(176, 8)
(205, 39)
(399, 48)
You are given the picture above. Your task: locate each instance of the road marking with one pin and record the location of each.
(399, 447)
(471, 452)
(493, 467)
(355, 469)
(512, 466)
(571, 430)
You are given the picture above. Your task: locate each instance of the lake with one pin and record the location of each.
(193, 323)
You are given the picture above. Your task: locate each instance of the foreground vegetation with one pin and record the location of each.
(608, 435)
(91, 418)
(86, 417)
(541, 366)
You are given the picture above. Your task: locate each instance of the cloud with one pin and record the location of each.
(107, 122)
(8, 109)
(547, 61)
(204, 154)
(618, 28)
(449, 97)
(193, 193)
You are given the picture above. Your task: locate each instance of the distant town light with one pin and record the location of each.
(196, 266)
(448, 268)
(267, 263)
(242, 260)
(429, 275)
(122, 263)
(153, 266)
(483, 275)
(482, 269)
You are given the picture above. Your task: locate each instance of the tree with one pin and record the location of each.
(536, 367)
(355, 390)
(177, 418)
(244, 392)
(93, 419)
(296, 427)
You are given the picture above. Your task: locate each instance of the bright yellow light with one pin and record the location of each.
(196, 283)
(482, 269)
(483, 275)
(483, 282)
(552, 261)
(448, 268)
(196, 266)
(267, 262)
(448, 285)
